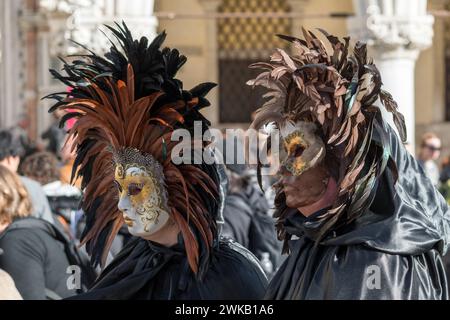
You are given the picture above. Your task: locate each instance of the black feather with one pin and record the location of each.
(202, 89)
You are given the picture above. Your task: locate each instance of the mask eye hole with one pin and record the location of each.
(134, 189)
(298, 151)
(117, 184)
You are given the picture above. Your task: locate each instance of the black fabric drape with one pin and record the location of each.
(145, 270)
(401, 238)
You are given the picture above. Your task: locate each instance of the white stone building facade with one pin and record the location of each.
(409, 45)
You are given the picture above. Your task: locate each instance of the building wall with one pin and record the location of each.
(430, 77)
(190, 36)
(12, 51)
(337, 26)
(196, 39)
(430, 81)
(34, 35)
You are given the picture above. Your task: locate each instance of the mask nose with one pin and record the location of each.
(283, 170)
(124, 204)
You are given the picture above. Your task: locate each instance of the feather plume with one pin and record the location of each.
(336, 90)
(130, 98)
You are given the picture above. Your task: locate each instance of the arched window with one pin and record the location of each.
(241, 42)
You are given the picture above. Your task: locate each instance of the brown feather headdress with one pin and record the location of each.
(131, 100)
(336, 91)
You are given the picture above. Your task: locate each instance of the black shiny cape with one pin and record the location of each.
(393, 251)
(146, 270)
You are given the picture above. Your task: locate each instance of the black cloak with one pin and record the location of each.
(393, 251)
(146, 270)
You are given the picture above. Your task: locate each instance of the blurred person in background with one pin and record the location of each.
(8, 290)
(246, 213)
(445, 169)
(11, 152)
(444, 188)
(444, 178)
(54, 134)
(67, 156)
(429, 152)
(20, 134)
(35, 253)
(63, 197)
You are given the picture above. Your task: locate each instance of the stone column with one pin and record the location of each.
(212, 60)
(90, 16)
(81, 20)
(11, 63)
(44, 25)
(396, 31)
(30, 28)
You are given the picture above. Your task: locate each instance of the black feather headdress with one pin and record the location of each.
(130, 98)
(336, 91)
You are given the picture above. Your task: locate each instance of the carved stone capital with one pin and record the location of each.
(393, 26)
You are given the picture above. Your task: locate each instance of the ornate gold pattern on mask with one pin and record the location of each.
(292, 144)
(120, 172)
(149, 201)
(301, 147)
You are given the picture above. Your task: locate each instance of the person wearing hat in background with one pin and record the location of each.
(429, 152)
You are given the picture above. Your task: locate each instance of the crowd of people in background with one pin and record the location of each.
(40, 221)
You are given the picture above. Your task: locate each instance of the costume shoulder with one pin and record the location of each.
(356, 272)
(408, 217)
(234, 274)
(236, 249)
(417, 193)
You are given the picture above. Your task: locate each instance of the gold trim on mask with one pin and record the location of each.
(149, 203)
(294, 164)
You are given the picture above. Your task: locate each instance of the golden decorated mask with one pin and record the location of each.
(142, 194)
(300, 147)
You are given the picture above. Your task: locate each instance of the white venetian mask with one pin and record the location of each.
(141, 199)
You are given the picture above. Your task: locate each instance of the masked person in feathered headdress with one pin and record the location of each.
(127, 105)
(358, 216)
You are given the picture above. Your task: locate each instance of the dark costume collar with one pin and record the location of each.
(147, 270)
(299, 225)
(139, 264)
